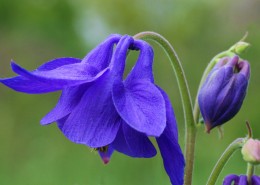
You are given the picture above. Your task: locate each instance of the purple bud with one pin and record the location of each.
(233, 179)
(223, 92)
(230, 179)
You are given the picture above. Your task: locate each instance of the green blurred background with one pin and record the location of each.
(35, 31)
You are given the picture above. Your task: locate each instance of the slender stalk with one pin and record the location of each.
(250, 172)
(190, 129)
(249, 129)
(234, 146)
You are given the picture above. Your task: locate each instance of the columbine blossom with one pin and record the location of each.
(241, 180)
(100, 109)
(223, 92)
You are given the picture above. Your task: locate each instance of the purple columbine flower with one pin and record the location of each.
(240, 180)
(223, 92)
(100, 109)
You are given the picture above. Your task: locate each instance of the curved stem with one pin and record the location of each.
(224, 159)
(249, 129)
(250, 172)
(190, 129)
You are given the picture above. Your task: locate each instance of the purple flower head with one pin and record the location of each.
(223, 92)
(100, 109)
(241, 180)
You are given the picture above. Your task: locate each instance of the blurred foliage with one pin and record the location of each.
(35, 31)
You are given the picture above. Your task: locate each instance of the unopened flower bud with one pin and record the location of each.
(251, 151)
(223, 92)
(241, 180)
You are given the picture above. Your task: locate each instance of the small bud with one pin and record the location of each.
(240, 47)
(251, 151)
(223, 92)
(240, 180)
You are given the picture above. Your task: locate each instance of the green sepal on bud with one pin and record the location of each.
(251, 151)
(239, 48)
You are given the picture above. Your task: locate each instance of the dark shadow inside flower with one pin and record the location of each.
(130, 62)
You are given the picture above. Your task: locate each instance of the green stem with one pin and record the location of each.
(190, 129)
(250, 172)
(224, 159)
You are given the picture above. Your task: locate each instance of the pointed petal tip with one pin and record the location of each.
(47, 120)
(14, 66)
(106, 155)
(233, 61)
(106, 160)
(43, 122)
(236, 58)
(18, 69)
(244, 67)
(208, 128)
(11, 62)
